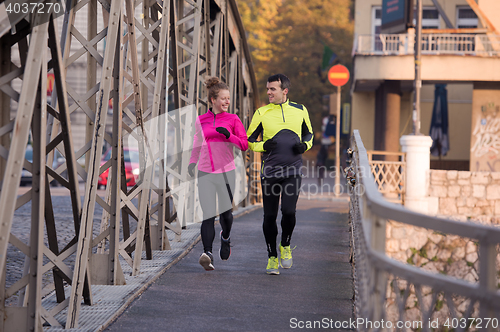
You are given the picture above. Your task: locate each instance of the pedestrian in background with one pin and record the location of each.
(217, 132)
(328, 129)
(286, 134)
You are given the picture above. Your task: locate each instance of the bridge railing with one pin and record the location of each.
(394, 295)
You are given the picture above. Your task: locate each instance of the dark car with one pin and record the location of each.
(26, 176)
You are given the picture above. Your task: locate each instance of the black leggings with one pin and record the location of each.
(210, 186)
(272, 188)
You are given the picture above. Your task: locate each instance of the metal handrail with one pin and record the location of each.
(369, 212)
(432, 44)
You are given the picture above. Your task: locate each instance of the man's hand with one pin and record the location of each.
(270, 145)
(223, 131)
(191, 169)
(299, 148)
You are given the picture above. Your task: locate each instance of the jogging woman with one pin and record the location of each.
(217, 133)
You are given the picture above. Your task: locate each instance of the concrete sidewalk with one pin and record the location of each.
(239, 296)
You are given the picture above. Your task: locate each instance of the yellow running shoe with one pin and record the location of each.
(272, 266)
(286, 257)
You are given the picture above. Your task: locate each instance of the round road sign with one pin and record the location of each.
(338, 75)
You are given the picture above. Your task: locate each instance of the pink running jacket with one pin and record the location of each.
(211, 150)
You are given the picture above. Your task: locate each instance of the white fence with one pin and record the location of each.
(432, 44)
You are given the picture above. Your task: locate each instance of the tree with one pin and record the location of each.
(288, 36)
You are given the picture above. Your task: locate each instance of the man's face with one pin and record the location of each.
(275, 93)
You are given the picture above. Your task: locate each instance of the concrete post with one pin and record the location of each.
(417, 150)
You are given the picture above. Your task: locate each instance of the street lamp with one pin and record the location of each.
(417, 84)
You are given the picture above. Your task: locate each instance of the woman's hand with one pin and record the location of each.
(223, 131)
(191, 169)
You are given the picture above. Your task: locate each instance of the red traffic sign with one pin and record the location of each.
(338, 75)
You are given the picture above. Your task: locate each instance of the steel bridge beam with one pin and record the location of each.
(156, 57)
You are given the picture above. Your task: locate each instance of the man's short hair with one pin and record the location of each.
(285, 81)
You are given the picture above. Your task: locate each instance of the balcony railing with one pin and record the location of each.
(432, 44)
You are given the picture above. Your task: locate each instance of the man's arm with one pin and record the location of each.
(307, 131)
(253, 132)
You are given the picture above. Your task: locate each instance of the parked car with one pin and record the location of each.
(132, 171)
(26, 176)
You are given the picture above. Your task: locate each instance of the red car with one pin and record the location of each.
(132, 170)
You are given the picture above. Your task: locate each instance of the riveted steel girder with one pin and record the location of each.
(126, 75)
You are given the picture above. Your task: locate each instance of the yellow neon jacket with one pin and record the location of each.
(287, 124)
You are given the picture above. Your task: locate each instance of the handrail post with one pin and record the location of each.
(375, 235)
(487, 276)
(378, 239)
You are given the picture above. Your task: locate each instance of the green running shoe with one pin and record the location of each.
(272, 266)
(286, 257)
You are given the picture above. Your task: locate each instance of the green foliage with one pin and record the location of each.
(289, 37)
(439, 304)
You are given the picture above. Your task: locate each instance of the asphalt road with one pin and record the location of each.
(315, 294)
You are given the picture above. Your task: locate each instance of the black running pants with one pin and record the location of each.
(210, 186)
(272, 189)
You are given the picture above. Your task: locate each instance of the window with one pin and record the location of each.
(376, 23)
(388, 43)
(430, 18)
(466, 18)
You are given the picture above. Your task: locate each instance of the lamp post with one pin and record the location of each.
(417, 84)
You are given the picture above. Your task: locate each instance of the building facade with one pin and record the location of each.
(460, 48)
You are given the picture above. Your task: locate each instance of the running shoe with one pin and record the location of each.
(206, 260)
(286, 257)
(225, 248)
(272, 266)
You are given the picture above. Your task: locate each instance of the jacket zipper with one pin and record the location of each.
(210, 150)
(282, 113)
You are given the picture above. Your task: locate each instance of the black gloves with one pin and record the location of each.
(191, 169)
(299, 148)
(270, 145)
(223, 131)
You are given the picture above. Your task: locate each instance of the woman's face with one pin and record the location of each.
(221, 104)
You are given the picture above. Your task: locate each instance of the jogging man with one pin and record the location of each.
(286, 134)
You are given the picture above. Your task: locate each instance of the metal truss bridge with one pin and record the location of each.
(133, 70)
